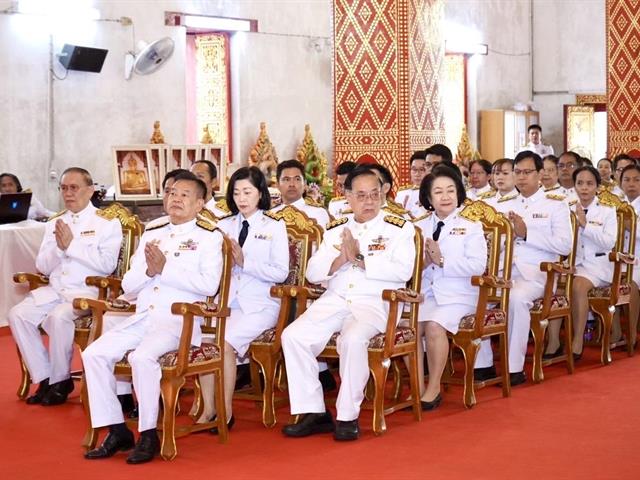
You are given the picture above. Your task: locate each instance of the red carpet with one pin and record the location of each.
(583, 426)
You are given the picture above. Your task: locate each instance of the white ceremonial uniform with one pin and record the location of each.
(569, 193)
(338, 206)
(616, 190)
(351, 305)
(636, 270)
(448, 292)
(93, 251)
(191, 273)
(409, 198)
(309, 208)
(212, 207)
(266, 262)
(38, 210)
(502, 203)
(479, 193)
(539, 148)
(595, 241)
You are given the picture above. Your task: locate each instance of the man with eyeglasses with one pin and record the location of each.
(359, 258)
(78, 242)
(408, 195)
(479, 178)
(620, 162)
(568, 162)
(542, 229)
(535, 142)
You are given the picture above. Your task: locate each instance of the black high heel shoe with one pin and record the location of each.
(230, 423)
(557, 353)
(432, 405)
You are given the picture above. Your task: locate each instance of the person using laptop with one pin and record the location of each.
(9, 183)
(78, 242)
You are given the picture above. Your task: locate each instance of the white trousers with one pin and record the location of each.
(99, 359)
(304, 339)
(57, 320)
(110, 320)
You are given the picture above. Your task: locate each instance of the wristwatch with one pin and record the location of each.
(441, 262)
(360, 257)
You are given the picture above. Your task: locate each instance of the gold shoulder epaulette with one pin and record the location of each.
(555, 196)
(551, 189)
(395, 208)
(222, 205)
(347, 211)
(336, 222)
(610, 199)
(336, 199)
(489, 194)
(393, 220)
(572, 203)
(206, 224)
(207, 215)
(272, 215)
(59, 214)
(422, 217)
(506, 198)
(312, 203)
(155, 227)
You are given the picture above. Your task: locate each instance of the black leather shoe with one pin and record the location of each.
(243, 376)
(483, 374)
(127, 404)
(41, 392)
(517, 378)
(310, 424)
(58, 393)
(557, 353)
(346, 431)
(230, 424)
(327, 381)
(113, 443)
(148, 446)
(432, 405)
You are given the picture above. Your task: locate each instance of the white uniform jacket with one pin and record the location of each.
(479, 193)
(192, 272)
(409, 198)
(319, 214)
(386, 242)
(539, 148)
(38, 210)
(464, 249)
(211, 206)
(93, 250)
(596, 239)
(266, 260)
(548, 222)
(503, 203)
(338, 206)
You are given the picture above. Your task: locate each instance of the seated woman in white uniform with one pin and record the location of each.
(597, 226)
(260, 259)
(9, 183)
(454, 251)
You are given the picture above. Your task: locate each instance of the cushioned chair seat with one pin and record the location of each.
(83, 322)
(268, 336)
(203, 353)
(557, 301)
(606, 291)
(403, 335)
(493, 316)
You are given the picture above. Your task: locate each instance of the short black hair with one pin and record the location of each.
(622, 156)
(345, 167)
(551, 158)
(590, 169)
(441, 170)
(289, 164)
(441, 151)
(257, 179)
(418, 155)
(529, 154)
(213, 171)
(357, 172)
(85, 174)
(576, 157)
(201, 188)
(14, 179)
(534, 126)
(485, 164)
(384, 172)
(633, 166)
(173, 174)
(586, 161)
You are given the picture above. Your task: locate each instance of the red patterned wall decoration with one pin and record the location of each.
(383, 66)
(623, 76)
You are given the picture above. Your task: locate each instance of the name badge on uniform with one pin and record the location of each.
(458, 231)
(262, 236)
(88, 233)
(188, 245)
(595, 222)
(540, 215)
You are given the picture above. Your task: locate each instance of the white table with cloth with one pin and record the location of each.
(19, 245)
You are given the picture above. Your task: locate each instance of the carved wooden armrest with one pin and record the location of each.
(112, 284)
(200, 309)
(560, 268)
(112, 305)
(294, 291)
(35, 280)
(490, 281)
(402, 295)
(620, 257)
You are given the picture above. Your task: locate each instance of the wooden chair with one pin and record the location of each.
(177, 365)
(490, 318)
(265, 351)
(555, 304)
(108, 287)
(603, 301)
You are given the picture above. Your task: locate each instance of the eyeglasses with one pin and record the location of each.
(418, 170)
(526, 172)
(363, 196)
(566, 165)
(70, 188)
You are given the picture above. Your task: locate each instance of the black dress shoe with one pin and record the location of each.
(327, 381)
(127, 403)
(148, 446)
(310, 424)
(58, 393)
(346, 431)
(243, 376)
(557, 353)
(41, 392)
(517, 378)
(432, 405)
(113, 443)
(230, 424)
(483, 374)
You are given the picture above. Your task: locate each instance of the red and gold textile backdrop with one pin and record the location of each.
(374, 58)
(623, 76)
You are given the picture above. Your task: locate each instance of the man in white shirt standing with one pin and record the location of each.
(535, 142)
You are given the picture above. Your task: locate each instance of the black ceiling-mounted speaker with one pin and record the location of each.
(84, 59)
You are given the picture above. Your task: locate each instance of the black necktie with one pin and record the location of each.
(243, 232)
(585, 210)
(436, 233)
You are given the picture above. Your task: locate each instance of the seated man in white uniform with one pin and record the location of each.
(77, 243)
(535, 144)
(358, 259)
(568, 162)
(338, 204)
(620, 162)
(179, 261)
(480, 180)
(409, 195)
(208, 173)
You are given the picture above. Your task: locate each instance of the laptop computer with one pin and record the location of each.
(14, 207)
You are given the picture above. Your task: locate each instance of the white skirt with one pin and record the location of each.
(583, 272)
(243, 328)
(447, 316)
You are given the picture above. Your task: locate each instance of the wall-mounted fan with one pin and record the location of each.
(150, 57)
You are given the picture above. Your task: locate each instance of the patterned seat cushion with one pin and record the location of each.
(493, 316)
(83, 322)
(403, 335)
(625, 288)
(557, 301)
(268, 336)
(203, 353)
